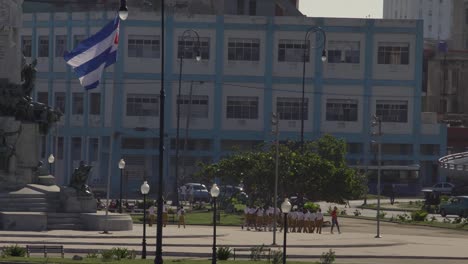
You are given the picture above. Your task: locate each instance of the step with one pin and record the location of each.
(54, 215)
(65, 226)
(65, 220)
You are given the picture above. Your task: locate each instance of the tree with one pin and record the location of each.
(319, 171)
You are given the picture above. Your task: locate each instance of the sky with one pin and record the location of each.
(342, 8)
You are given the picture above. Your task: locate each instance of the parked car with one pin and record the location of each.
(441, 187)
(230, 191)
(200, 192)
(457, 205)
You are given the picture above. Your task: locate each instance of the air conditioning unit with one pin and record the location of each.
(241, 122)
(292, 124)
(429, 117)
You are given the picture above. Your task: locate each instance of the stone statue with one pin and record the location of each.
(79, 179)
(6, 150)
(28, 77)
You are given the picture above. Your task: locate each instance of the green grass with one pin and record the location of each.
(150, 260)
(201, 218)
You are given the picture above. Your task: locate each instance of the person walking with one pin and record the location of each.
(392, 194)
(319, 221)
(181, 215)
(152, 214)
(334, 216)
(164, 216)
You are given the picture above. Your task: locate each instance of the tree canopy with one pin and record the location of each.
(318, 171)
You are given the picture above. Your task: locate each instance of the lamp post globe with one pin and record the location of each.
(285, 208)
(214, 194)
(144, 190)
(123, 10)
(121, 167)
(324, 56)
(51, 161)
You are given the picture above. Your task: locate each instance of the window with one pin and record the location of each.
(60, 45)
(188, 48)
(243, 49)
(43, 97)
(242, 107)
(77, 103)
(292, 50)
(342, 110)
(393, 53)
(429, 12)
(26, 46)
(43, 46)
(466, 16)
(95, 104)
(60, 101)
(93, 149)
(77, 39)
(392, 111)
(198, 107)
(252, 7)
(142, 105)
(240, 7)
(140, 46)
(344, 52)
(289, 108)
(76, 148)
(60, 148)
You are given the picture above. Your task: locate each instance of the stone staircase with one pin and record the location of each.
(25, 203)
(64, 221)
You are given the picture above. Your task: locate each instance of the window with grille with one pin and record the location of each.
(293, 50)
(95, 104)
(396, 53)
(342, 110)
(43, 46)
(142, 105)
(289, 108)
(77, 103)
(26, 46)
(243, 49)
(242, 107)
(197, 105)
(344, 52)
(77, 39)
(188, 48)
(60, 101)
(60, 45)
(93, 149)
(76, 148)
(392, 111)
(140, 46)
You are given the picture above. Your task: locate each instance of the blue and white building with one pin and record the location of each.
(251, 66)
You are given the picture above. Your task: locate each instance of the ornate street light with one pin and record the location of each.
(121, 167)
(377, 122)
(186, 35)
(51, 161)
(123, 10)
(285, 208)
(316, 30)
(144, 190)
(214, 194)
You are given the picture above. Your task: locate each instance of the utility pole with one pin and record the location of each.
(275, 125)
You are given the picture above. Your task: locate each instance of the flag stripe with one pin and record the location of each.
(106, 34)
(93, 64)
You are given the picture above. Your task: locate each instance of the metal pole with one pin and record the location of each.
(303, 89)
(276, 183)
(213, 256)
(50, 168)
(176, 196)
(284, 239)
(120, 200)
(379, 163)
(143, 251)
(158, 259)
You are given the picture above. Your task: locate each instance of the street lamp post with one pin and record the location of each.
(144, 190)
(162, 98)
(285, 208)
(51, 161)
(121, 167)
(275, 123)
(377, 122)
(305, 57)
(185, 35)
(214, 193)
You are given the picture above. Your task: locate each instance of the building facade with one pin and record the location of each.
(250, 67)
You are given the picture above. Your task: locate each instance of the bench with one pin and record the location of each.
(45, 249)
(264, 251)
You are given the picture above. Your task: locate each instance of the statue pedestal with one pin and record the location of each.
(72, 202)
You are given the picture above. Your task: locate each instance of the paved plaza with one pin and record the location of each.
(356, 244)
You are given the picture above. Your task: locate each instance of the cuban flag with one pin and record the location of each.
(94, 54)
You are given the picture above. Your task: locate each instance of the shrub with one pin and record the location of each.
(276, 256)
(457, 220)
(382, 215)
(403, 218)
(328, 257)
(357, 212)
(419, 215)
(433, 218)
(312, 207)
(14, 251)
(343, 212)
(256, 253)
(92, 255)
(121, 253)
(223, 253)
(107, 255)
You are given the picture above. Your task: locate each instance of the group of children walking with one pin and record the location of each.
(299, 220)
